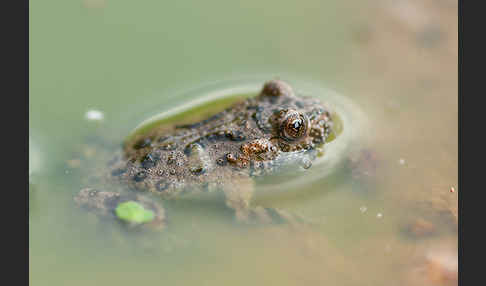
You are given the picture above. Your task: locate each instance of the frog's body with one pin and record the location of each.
(251, 138)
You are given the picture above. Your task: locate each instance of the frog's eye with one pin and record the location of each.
(277, 88)
(294, 126)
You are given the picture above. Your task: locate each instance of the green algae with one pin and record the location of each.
(133, 212)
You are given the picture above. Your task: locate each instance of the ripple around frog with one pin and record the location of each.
(346, 113)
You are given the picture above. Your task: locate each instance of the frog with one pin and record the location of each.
(254, 137)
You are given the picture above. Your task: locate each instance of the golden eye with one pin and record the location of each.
(294, 127)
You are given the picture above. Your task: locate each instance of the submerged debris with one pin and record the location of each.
(94, 115)
(420, 228)
(436, 267)
(442, 268)
(133, 212)
(132, 209)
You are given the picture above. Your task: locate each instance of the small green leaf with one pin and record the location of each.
(133, 212)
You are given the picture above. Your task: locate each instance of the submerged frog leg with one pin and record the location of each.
(238, 195)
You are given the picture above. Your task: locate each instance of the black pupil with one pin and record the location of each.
(296, 124)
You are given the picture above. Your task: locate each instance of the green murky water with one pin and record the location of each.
(136, 62)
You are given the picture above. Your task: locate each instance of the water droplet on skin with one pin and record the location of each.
(149, 161)
(199, 161)
(306, 163)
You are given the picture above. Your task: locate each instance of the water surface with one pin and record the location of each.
(392, 70)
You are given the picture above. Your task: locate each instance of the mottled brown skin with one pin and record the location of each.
(251, 138)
